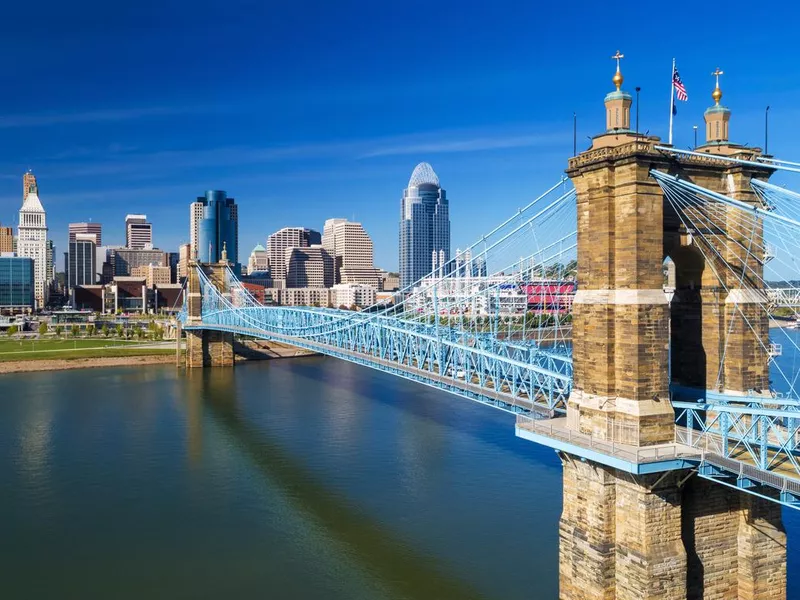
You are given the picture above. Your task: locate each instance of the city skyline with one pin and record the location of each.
(495, 118)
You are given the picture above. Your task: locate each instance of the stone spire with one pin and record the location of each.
(717, 116)
(618, 103)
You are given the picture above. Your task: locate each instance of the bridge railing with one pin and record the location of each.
(556, 429)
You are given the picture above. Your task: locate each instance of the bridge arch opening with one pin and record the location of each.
(684, 268)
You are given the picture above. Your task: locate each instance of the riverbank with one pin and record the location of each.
(117, 356)
(62, 364)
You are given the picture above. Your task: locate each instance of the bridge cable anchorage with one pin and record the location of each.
(757, 428)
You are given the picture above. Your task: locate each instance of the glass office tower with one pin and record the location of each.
(219, 227)
(424, 227)
(16, 284)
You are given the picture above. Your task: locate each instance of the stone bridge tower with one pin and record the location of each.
(205, 347)
(666, 535)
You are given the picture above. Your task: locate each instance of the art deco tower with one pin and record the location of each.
(32, 239)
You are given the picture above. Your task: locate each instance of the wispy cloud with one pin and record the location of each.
(91, 116)
(136, 165)
(475, 144)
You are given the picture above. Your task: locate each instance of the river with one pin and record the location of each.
(299, 478)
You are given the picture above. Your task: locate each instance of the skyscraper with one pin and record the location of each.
(219, 228)
(288, 237)
(138, 232)
(82, 263)
(351, 248)
(32, 239)
(95, 229)
(424, 227)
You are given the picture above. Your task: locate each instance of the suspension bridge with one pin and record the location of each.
(662, 397)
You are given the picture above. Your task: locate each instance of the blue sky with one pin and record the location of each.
(308, 110)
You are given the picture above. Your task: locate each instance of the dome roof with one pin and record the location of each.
(423, 173)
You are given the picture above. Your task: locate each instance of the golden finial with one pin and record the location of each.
(717, 93)
(617, 79)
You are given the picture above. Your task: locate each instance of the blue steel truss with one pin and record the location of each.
(749, 442)
(515, 377)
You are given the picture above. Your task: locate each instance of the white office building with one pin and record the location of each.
(32, 243)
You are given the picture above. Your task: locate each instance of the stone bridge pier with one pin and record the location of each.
(205, 347)
(666, 535)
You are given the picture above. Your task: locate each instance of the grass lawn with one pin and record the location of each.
(12, 345)
(88, 353)
(76, 348)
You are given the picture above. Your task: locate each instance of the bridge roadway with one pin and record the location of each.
(468, 389)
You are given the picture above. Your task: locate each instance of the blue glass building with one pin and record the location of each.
(219, 227)
(424, 227)
(17, 290)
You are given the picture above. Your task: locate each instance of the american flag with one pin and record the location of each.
(680, 89)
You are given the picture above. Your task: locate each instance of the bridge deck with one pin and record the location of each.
(632, 459)
(738, 467)
(451, 383)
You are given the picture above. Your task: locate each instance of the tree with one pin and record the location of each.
(120, 331)
(59, 330)
(12, 330)
(90, 329)
(105, 330)
(139, 332)
(42, 328)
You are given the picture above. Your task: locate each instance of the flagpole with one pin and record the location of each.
(671, 99)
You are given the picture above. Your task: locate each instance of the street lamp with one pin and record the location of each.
(695, 135)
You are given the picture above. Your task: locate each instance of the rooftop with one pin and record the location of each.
(32, 203)
(423, 174)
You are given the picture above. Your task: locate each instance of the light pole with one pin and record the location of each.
(766, 131)
(638, 89)
(574, 134)
(695, 135)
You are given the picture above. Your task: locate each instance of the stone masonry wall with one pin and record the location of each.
(676, 537)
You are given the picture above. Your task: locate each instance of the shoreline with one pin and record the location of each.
(65, 364)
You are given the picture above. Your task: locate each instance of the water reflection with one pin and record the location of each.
(306, 478)
(392, 561)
